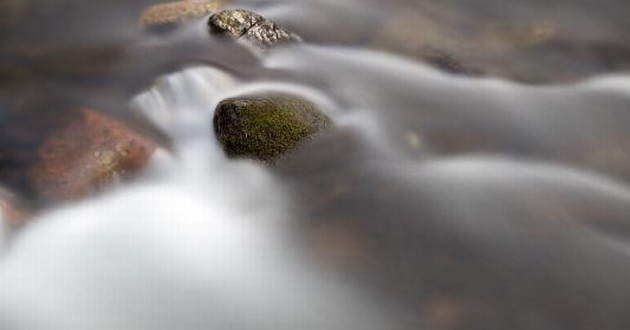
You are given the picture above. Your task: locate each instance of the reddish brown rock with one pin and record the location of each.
(90, 151)
(12, 208)
(169, 14)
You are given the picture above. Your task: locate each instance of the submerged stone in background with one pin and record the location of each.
(13, 210)
(266, 127)
(536, 45)
(165, 16)
(259, 31)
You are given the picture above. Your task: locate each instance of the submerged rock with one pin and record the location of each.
(92, 150)
(13, 211)
(259, 31)
(532, 46)
(266, 127)
(165, 16)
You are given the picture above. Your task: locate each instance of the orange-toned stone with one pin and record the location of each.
(340, 245)
(13, 210)
(177, 12)
(92, 150)
(443, 312)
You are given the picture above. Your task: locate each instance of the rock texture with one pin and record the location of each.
(92, 150)
(233, 22)
(266, 127)
(166, 15)
(532, 46)
(247, 25)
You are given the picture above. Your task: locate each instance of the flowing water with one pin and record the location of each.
(438, 201)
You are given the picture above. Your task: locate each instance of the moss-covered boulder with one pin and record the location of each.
(266, 127)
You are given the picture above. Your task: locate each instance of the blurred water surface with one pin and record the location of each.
(477, 176)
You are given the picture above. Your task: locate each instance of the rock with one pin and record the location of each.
(12, 210)
(90, 151)
(247, 25)
(267, 34)
(266, 127)
(233, 22)
(164, 16)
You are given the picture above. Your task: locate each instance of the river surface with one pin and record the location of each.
(492, 197)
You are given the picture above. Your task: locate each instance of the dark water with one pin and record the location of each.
(477, 177)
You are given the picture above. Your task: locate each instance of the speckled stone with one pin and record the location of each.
(246, 25)
(164, 15)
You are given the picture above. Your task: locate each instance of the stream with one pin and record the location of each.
(490, 194)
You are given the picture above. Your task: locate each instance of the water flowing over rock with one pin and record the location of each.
(266, 127)
(439, 200)
(259, 31)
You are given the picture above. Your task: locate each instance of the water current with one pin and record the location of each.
(438, 201)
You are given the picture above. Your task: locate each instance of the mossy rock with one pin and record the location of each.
(266, 127)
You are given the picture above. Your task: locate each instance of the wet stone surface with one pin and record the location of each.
(60, 156)
(164, 17)
(259, 31)
(233, 22)
(90, 151)
(266, 127)
(267, 34)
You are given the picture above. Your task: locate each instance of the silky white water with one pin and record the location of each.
(197, 243)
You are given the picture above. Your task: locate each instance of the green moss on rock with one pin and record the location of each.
(266, 127)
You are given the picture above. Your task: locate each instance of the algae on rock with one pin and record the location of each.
(266, 127)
